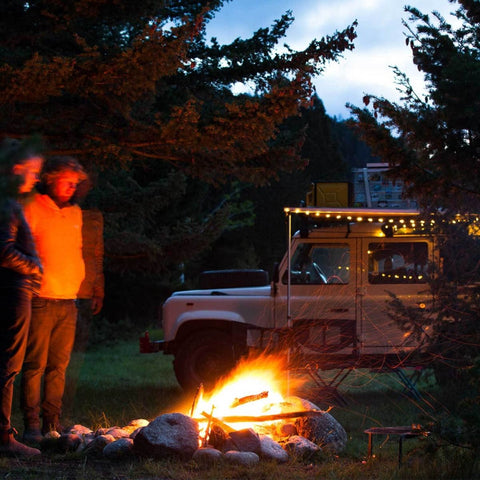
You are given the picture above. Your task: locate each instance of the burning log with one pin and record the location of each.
(219, 422)
(248, 398)
(196, 398)
(207, 429)
(262, 418)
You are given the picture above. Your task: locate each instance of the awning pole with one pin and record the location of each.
(289, 276)
(289, 316)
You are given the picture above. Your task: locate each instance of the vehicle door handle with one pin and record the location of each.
(339, 310)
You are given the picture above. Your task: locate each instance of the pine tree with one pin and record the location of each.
(433, 144)
(114, 82)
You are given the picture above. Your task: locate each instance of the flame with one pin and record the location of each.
(256, 387)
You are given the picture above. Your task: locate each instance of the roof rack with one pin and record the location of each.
(391, 220)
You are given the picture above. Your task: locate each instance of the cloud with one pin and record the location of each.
(327, 16)
(380, 42)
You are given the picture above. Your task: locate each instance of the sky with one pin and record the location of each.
(380, 42)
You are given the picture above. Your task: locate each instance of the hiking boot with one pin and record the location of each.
(12, 448)
(32, 435)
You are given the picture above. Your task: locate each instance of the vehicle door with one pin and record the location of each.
(392, 267)
(322, 295)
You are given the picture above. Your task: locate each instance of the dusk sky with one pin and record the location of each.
(380, 41)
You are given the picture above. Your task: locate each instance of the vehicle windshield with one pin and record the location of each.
(320, 264)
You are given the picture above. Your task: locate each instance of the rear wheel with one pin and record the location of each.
(204, 357)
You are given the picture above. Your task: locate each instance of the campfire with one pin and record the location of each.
(257, 395)
(250, 415)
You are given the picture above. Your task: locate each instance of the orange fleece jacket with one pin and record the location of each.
(57, 233)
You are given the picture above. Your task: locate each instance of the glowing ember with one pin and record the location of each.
(256, 388)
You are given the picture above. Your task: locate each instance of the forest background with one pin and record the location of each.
(188, 176)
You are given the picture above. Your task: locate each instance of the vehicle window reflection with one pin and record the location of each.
(397, 262)
(320, 264)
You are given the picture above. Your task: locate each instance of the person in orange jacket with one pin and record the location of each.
(56, 225)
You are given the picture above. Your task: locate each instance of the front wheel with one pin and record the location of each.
(204, 357)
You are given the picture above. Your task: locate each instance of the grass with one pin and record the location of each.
(117, 384)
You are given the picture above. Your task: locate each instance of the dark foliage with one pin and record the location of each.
(137, 92)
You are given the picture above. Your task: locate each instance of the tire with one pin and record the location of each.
(204, 357)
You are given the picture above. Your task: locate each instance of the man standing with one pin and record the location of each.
(56, 225)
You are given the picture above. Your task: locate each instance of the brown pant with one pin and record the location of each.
(50, 343)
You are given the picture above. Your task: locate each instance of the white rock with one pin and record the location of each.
(246, 459)
(272, 450)
(207, 456)
(301, 447)
(80, 430)
(171, 434)
(324, 430)
(96, 446)
(119, 448)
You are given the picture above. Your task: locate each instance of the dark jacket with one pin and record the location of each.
(19, 263)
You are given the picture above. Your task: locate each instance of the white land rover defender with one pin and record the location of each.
(327, 302)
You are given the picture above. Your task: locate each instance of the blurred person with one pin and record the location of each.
(20, 274)
(56, 225)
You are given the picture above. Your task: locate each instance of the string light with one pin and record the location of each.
(393, 218)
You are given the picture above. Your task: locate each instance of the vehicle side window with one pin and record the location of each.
(320, 264)
(397, 262)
